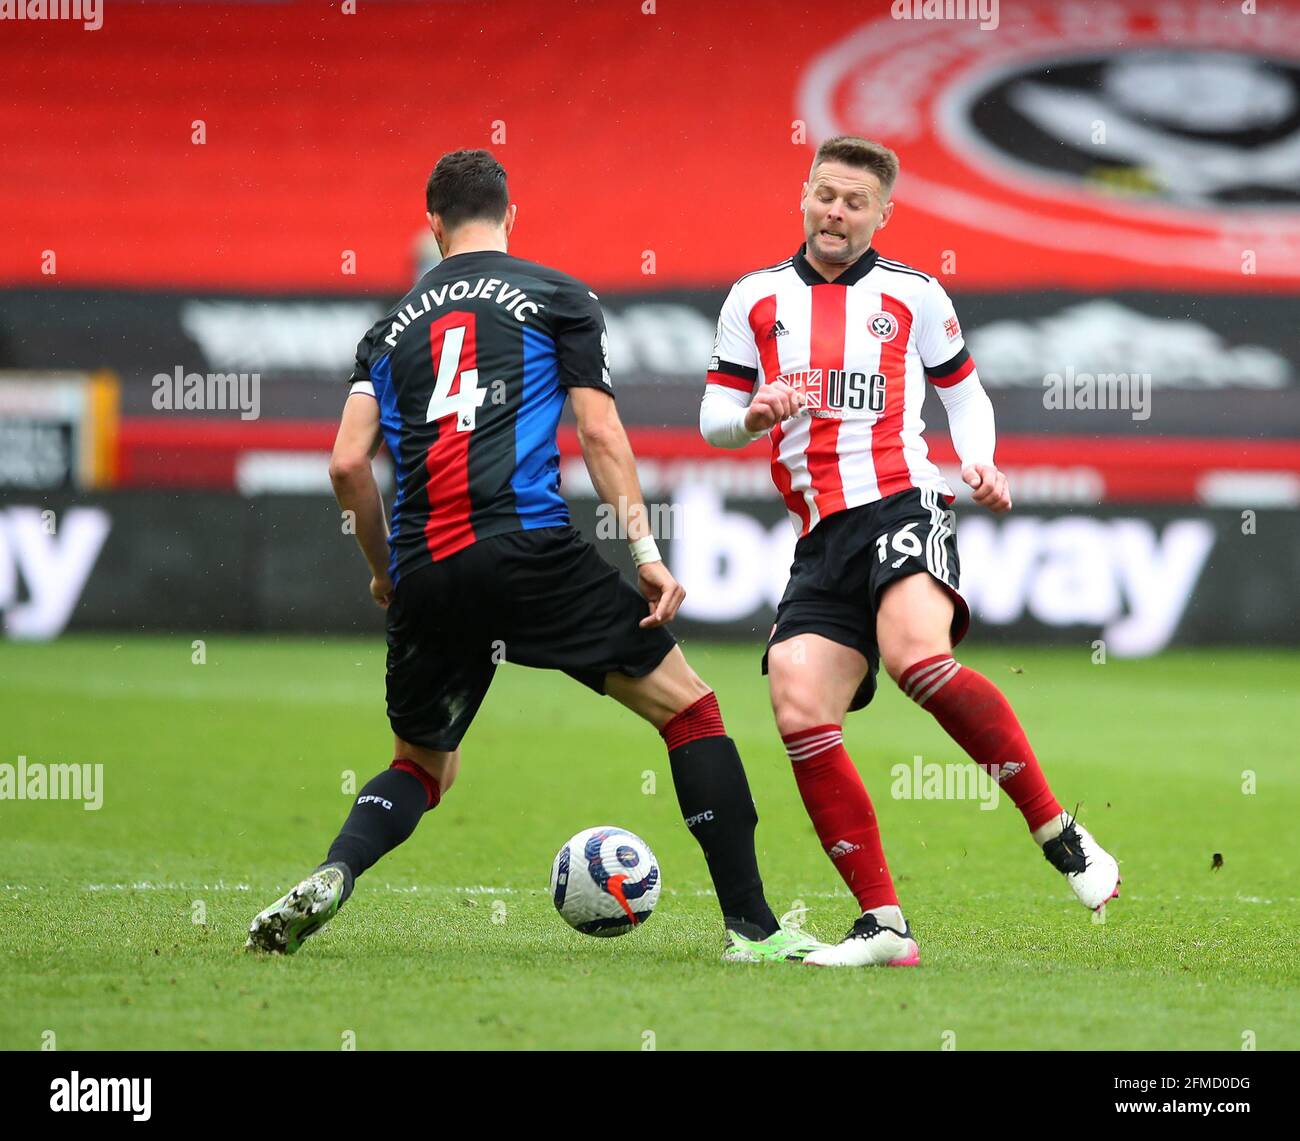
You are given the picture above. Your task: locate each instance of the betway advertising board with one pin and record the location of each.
(1139, 579)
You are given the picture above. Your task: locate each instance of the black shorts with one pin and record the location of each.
(540, 598)
(844, 563)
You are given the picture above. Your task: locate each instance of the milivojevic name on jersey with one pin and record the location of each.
(513, 300)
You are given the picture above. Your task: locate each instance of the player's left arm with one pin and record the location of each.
(949, 367)
(355, 488)
(582, 352)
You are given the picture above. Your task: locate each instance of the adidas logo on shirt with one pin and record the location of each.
(778, 330)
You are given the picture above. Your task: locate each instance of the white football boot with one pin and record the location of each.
(281, 928)
(1089, 869)
(880, 938)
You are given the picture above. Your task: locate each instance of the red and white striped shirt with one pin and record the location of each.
(861, 349)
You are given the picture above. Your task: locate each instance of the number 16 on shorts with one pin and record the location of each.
(905, 542)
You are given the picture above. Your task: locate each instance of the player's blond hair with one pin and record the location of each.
(854, 151)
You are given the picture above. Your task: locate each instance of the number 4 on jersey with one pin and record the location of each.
(464, 403)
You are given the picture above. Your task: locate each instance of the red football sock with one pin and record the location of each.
(841, 812)
(974, 713)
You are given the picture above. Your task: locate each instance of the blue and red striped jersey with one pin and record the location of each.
(470, 370)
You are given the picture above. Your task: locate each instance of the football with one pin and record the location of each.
(605, 881)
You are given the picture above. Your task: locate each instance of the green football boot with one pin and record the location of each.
(789, 943)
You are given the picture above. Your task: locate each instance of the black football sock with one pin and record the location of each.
(714, 797)
(384, 814)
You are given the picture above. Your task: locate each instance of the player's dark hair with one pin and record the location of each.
(854, 151)
(467, 186)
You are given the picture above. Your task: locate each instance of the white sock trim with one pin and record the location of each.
(937, 682)
(808, 747)
(922, 676)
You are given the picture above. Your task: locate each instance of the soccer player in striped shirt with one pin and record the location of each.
(829, 353)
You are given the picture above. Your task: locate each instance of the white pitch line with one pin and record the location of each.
(459, 889)
(488, 889)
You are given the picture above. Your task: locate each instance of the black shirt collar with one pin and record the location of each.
(855, 273)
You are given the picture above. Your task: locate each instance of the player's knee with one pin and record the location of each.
(676, 685)
(795, 711)
(694, 688)
(684, 697)
(899, 657)
(443, 767)
(659, 696)
(794, 701)
(448, 777)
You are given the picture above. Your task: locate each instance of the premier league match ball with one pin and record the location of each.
(605, 881)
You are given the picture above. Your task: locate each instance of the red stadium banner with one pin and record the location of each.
(1091, 145)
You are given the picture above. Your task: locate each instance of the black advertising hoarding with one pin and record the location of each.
(1141, 579)
(1208, 364)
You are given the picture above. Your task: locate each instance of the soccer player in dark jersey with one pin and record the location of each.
(464, 380)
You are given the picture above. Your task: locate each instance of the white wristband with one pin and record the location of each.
(644, 551)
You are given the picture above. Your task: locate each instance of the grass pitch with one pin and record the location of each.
(224, 782)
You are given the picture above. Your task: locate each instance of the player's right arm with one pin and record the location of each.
(356, 490)
(358, 440)
(950, 369)
(732, 414)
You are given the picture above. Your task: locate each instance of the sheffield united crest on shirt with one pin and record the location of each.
(883, 326)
